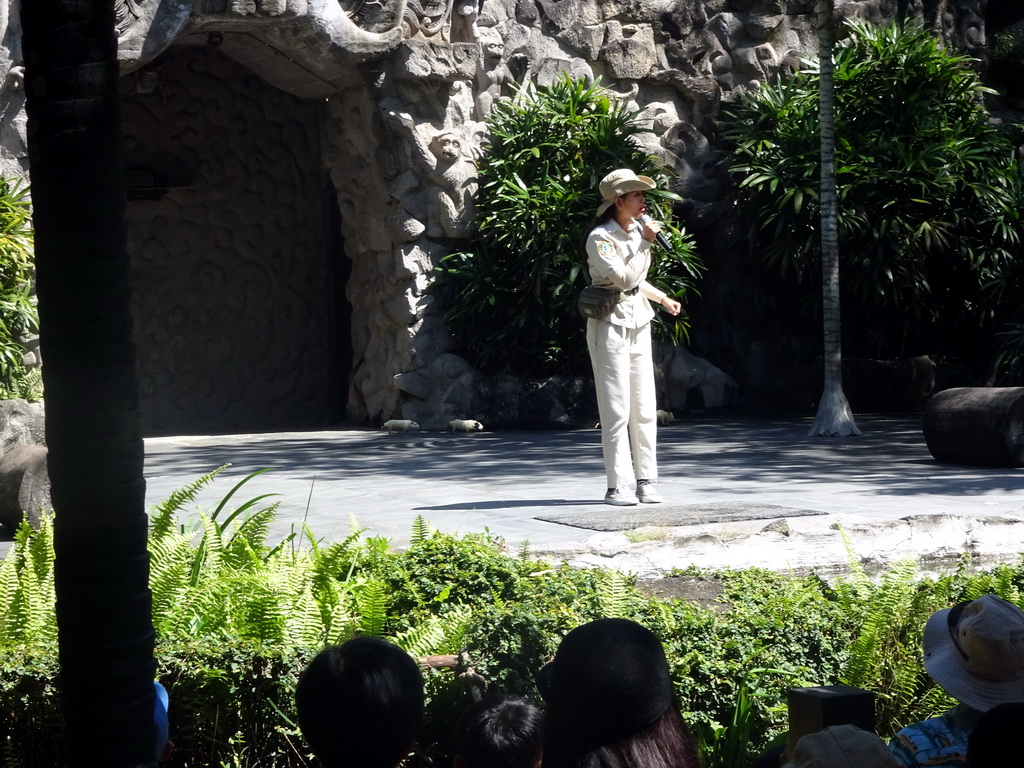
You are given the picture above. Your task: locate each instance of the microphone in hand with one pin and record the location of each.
(662, 240)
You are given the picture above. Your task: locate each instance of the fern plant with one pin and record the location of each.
(885, 655)
(614, 589)
(438, 633)
(215, 575)
(27, 588)
(420, 530)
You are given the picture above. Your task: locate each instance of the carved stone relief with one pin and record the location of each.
(126, 13)
(408, 84)
(13, 123)
(375, 15)
(447, 163)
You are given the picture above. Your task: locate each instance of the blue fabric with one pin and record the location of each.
(937, 743)
(160, 718)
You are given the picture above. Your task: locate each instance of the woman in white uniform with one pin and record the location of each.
(618, 254)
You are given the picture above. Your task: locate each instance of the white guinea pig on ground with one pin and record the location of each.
(400, 425)
(464, 425)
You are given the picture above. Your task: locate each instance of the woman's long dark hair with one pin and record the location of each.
(665, 743)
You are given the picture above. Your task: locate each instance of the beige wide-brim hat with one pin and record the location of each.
(975, 652)
(841, 746)
(621, 182)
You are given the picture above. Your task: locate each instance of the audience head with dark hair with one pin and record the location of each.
(770, 758)
(841, 746)
(610, 702)
(993, 742)
(359, 704)
(500, 731)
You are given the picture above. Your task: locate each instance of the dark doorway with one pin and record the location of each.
(340, 268)
(235, 274)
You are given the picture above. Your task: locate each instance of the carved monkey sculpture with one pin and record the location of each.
(446, 160)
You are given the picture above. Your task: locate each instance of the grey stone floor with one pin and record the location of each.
(743, 491)
(739, 492)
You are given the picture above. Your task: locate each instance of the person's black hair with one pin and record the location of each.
(500, 731)
(770, 758)
(993, 741)
(359, 704)
(665, 743)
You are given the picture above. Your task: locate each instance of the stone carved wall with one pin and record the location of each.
(675, 63)
(399, 73)
(13, 147)
(229, 271)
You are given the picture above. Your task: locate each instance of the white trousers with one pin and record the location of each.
(626, 400)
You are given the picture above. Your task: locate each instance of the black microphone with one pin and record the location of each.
(662, 240)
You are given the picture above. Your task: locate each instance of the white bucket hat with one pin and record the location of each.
(621, 182)
(975, 652)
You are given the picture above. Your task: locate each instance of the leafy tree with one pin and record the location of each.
(511, 300)
(929, 193)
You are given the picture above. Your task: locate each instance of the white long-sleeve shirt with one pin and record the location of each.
(619, 258)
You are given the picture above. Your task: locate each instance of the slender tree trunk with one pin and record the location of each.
(834, 415)
(93, 432)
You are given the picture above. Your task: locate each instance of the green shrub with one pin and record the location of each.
(511, 301)
(230, 662)
(930, 198)
(770, 632)
(30, 727)
(18, 315)
(233, 700)
(439, 571)
(1007, 47)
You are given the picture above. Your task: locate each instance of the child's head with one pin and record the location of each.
(500, 732)
(359, 704)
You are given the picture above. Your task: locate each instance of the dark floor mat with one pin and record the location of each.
(661, 516)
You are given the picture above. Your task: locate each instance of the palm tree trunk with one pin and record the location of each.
(95, 461)
(834, 415)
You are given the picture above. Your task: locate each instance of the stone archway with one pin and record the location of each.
(232, 259)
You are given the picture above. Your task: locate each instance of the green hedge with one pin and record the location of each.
(231, 687)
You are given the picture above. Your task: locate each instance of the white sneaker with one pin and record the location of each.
(647, 493)
(620, 497)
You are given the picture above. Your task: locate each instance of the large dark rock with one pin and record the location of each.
(512, 402)
(24, 481)
(564, 402)
(24, 485)
(977, 425)
(21, 423)
(888, 386)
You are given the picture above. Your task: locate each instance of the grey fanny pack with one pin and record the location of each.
(596, 303)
